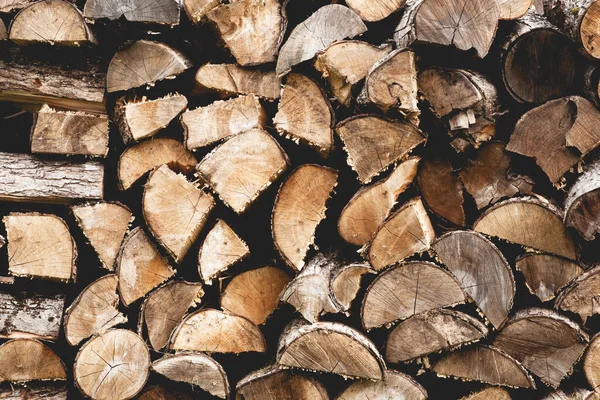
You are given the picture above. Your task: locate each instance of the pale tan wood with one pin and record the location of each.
(21, 361)
(163, 393)
(231, 79)
(448, 90)
(37, 391)
(346, 283)
(221, 249)
(376, 10)
(31, 316)
(588, 30)
(395, 385)
(591, 363)
(271, 383)
(578, 20)
(3, 31)
(196, 10)
(513, 9)
(8, 6)
(490, 393)
(581, 296)
(157, 11)
(581, 204)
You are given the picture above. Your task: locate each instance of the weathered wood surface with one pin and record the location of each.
(31, 316)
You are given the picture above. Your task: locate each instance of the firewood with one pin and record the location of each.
(220, 120)
(37, 391)
(304, 114)
(162, 393)
(175, 210)
(140, 158)
(329, 347)
(254, 294)
(591, 361)
(545, 274)
(3, 31)
(104, 224)
(243, 167)
(581, 211)
(328, 24)
(162, 11)
(25, 360)
(242, 334)
(67, 132)
(25, 178)
(50, 21)
(431, 332)
(530, 222)
(140, 267)
(374, 143)
(196, 10)
(222, 248)
(577, 394)
(546, 343)
(142, 63)
(485, 364)
(195, 369)
(472, 24)
(94, 311)
(144, 118)
(231, 79)
(299, 208)
(37, 316)
(491, 393)
(404, 233)
(345, 63)
(251, 30)
(114, 365)
(8, 6)
(409, 289)
(581, 296)
(40, 246)
(513, 9)
(376, 10)
(271, 383)
(394, 385)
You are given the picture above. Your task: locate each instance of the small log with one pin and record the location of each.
(220, 120)
(591, 363)
(94, 311)
(581, 296)
(374, 143)
(161, 12)
(254, 294)
(37, 391)
(432, 332)
(195, 369)
(328, 24)
(140, 267)
(373, 11)
(513, 9)
(582, 211)
(242, 334)
(196, 10)
(40, 246)
(37, 317)
(162, 393)
(114, 365)
(404, 233)
(142, 63)
(299, 208)
(304, 114)
(25, 360)
(222, 248)
(394, 385)
(243, 167)
(271, 383)
(491, 393)
(231, 79)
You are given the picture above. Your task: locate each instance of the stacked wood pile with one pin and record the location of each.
(301, 200)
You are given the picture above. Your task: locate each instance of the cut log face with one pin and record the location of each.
(304, 113)
(94, 311)
(395, 385)
(251, 30)
(409, 289)
(162, 393)
(175, 210)
(195, 369)
(513, 9)
(3, 31)
(242, 335)
(221, 249)
(220, 120)
(591, 363)
(377, 10)
(404, 233)
(582, 207)
(196, 10)
(299, 208)
(442, 190)
(589, 35)
(140, 267)
(581, 296)
(8, 6)
(50, 21)
(162, 11)
(434, 331)
(38, 391)
(374, 143)
(114, 365)
(546, 343)
(243, 167)
(448, 90)
(40, 246)
(22, 362)
(36, 316)
(254, 294)
(328, 24)
(149, 154)
(271, 383)
(489, 394)
(484, 364)
(231, 79)
(143, 63)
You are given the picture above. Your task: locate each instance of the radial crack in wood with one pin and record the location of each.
(442, 190)
(581, 296)
(395, 385)
(231, 79)
(31, 316)
(271, 383)
(157, 11)
(582, 207)
(22, 362)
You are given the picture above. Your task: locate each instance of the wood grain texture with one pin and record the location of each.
(591, 363)
(196, 10)
(161, 11)
(271, 383)
(393, 385)
(490, 393)
(222, 248)
(231, 79)
(21, 362)
(581, 296)
(582, 208)
(442, 190)
(31, 316)
(373, 11)
(513, 9)
(38, 391)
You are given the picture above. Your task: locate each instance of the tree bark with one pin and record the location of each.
(36, 316)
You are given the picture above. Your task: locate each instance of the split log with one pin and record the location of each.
(251, 30)
(395, 385)
(25, 178)
(329, 347)
(299, 208)
(195, 369)
(37, 391)
(142, 63)
(581, 296)
(271, 383)
(432, 332)
(162, 11)
(37, 317)
(22, 362)
(242, 334)
(140, 158)
(373, 11)
(231, 79)
(175, 210)
(577, 394)
(114, 365)
(582, 211)
(220, 120)
(546, 343)
(591, 363)
(3, 31)
(374, 143)
(491, 393)
(8, 6)
(304, 114)
(328, 24)
(243, 167)
(140, 267)
(254, 294)
(514, 9)
(404, 233)
(40, 246)
(222, 248)
(162, 393)
(196, 10)
(591, 84)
